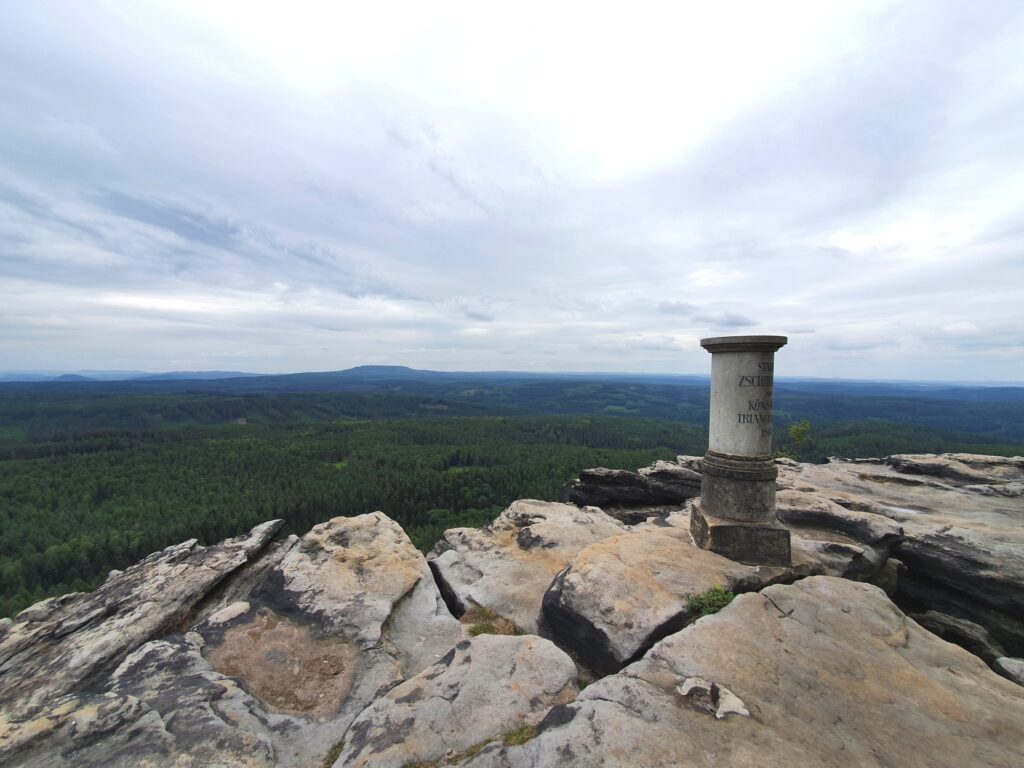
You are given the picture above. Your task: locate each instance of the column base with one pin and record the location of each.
(760, 543)
(739, 487)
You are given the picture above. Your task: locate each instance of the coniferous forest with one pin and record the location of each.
(95, 480)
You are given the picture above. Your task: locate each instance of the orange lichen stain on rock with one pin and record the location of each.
(565, 696)
(286, 667)
(551, 561)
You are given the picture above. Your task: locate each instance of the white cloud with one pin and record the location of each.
(570, 187)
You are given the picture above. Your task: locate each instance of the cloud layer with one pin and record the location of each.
(307, 188)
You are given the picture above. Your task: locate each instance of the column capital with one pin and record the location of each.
(743, 343)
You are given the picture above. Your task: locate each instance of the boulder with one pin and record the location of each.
(617, 490)
(967, 573)
(622, 594)
(259, 652)
(840, 534)
(63, 644)
(803, 508)
(823, 672)
(961, 468)
(361, 578)
(348, 612)
(832, 554)
(508, 565)
(966, 634)
(482, 688)
(276, 665)
(963, 550)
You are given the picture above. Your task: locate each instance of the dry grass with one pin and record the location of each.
(333, 753)
(519, 735)
(484, 621)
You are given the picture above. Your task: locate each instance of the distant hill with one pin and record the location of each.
(993, 411)
(6, 377)
(192, 376)
(37, 376)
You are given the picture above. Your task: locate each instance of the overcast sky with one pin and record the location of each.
(553, 186)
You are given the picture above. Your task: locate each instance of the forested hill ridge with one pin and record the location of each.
(561, 634)
(993, 411)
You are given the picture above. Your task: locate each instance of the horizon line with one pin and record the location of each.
(137, 374)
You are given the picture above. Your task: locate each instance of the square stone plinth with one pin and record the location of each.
(765, 543)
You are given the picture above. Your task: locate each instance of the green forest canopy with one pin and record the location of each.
(89, 484)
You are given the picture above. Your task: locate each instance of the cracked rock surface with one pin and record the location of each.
(962, 517)
(830, 672)
(274, 666)
(62, 644)
(482, 688)
(620, 595)
(508, 565)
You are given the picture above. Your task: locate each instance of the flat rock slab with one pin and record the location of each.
(1001, 475)
(508, 565)
(92, 729)
(964, 538)
(163, 706)
(823, 672)
(808, 508)
(61, 644)
(617, 491)
(624, 593)
(483, 688)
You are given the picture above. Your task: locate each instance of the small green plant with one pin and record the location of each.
(710, 601)
(799, 432)
(484, 613)
(333, 753)
(799, 436)
(519, 735)
(486, 621)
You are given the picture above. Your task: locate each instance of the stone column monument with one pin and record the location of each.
(735, 515)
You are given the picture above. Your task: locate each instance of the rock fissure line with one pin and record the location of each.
(451, 600)
(782, 614)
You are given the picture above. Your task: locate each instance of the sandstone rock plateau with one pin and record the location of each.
(895, 637)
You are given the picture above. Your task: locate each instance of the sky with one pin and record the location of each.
(297, 186)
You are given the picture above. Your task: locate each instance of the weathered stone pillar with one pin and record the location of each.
(735, 515)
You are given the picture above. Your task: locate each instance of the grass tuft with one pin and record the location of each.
(473, 750)
(519, 735)
(332, 754)
(486, 621)
(710, 601)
